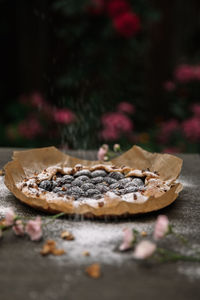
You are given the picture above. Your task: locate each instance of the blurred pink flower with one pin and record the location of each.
(184, 73)
(117, 7)
(18, 228)
(110, 134)
(167, 128)
(169, 86)
(128, 239)
(161, 227)
(127, 24)
(116, 147)
(34, 229)
(9, 217)
(117, 120)
(195, 108)
(144, 250)
(37, 100)
(191, 129)
(103, 150)
(64, 116)
(126, 107)
(30, 128)
(197, 72)
(114, 124)
(171, 150)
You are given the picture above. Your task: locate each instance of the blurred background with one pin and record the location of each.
(81, 73)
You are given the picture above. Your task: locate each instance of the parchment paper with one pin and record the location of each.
(26, 163)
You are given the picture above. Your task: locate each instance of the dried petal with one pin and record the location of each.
(94, 270)
(66, 235)
(144, 250)
(128, 240)
(161, 227)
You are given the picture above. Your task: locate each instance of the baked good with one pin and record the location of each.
(89, 188)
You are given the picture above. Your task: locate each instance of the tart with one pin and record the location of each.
(88, 188)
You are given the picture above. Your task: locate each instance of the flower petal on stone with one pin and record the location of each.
(161, 227)
(34, 229)
(144, 250)
(9, 217)
(128, 240)
(18, 228)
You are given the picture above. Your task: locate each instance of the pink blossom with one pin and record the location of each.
(116, 147)
(195, 108)
(30, 128)
(197, 72)
(9, 217)
(161, 227)
(103, 150)
(18, 228)
(126, 107)
(128, 239)
(184, 73)
(127, 24)
(34, 229)
(110, 134)
(191, 129)
(169, 86)
(144, 250)
(64, 116)
(117, 7)
(37, 100)
(118, 121)
(167, 128)
(171, 150)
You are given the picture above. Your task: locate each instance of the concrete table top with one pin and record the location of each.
(25, 274)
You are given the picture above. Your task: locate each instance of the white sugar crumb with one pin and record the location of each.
(192, 272)
(100, 239)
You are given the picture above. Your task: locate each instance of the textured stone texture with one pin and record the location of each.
(25, 274)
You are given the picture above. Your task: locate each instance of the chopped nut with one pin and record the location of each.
(93, 270)
(58, 252)
(143, 233)
(135, 197)
(86, 253)
(50, 248)
(2, 172)
(64, 188)
(100, 204)
(37, 195)
(54, 178)
(66, 235)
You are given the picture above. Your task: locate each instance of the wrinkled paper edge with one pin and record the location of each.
(25, 163)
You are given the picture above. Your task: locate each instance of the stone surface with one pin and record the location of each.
(25, 274)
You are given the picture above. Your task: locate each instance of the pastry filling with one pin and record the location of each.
(82, 184)
(87, 184)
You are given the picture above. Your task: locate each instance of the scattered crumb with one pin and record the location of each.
(86, 253)
(2, 173)
(143, 233)
(93, 270)
(50, 248)
(66, 235)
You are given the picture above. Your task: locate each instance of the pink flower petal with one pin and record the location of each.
(144, 250)
(18, 228)
(128, 240)
(103, 150)
(34, 229)
(9, 217)
(161, 227)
